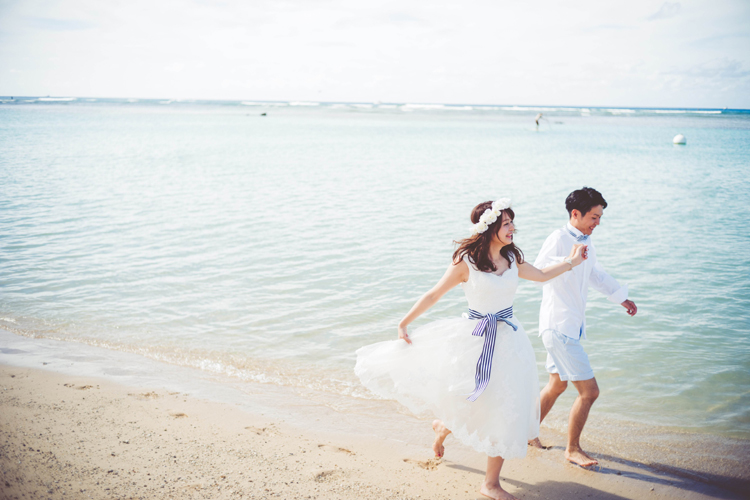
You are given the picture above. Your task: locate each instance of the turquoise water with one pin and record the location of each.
(269, 248)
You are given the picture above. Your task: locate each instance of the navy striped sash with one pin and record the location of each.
(487, 328)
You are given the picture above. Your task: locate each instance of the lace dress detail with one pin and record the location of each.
(435, 374)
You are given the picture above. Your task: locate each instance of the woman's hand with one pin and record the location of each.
(402, 334)
(578, 253)
(455, 274)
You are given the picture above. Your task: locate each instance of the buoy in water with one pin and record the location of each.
(679, 139)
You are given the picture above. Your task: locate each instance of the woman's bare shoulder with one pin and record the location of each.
(460, 268)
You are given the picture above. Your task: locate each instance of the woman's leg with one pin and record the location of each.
(491, 486)
(441, 432)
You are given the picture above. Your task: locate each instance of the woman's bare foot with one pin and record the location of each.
(441, 432)
(579, 457)
(495, 492)
(535, 443)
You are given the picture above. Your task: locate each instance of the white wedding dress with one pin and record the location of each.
(436, 373)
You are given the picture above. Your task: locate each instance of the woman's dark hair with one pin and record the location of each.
(477, 247)
(584, 200)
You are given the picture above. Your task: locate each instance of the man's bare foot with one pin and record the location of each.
(495, 492)
(441, 432)
(535, 443)
(579, 457)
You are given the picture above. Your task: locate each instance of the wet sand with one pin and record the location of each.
(64, 436)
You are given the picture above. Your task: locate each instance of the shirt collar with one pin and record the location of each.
(572, 229)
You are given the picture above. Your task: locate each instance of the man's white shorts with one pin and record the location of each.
(566, 357)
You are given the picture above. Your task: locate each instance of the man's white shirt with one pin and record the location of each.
(564, 297)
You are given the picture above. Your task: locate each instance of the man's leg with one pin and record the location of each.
(548, 396)
(553, 343)
(550, 393)
(588, 391)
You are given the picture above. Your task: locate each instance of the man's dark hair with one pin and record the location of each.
(584, 200)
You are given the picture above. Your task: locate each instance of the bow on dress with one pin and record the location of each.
(487, 328)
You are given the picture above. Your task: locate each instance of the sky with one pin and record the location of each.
(635, 53)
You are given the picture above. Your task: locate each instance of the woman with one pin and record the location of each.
(477, 374)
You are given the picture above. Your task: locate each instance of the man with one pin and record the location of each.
(562, 321)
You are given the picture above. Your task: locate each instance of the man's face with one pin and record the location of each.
(587, 223)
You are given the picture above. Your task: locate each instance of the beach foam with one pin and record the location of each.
(617, 111)
(57, 99)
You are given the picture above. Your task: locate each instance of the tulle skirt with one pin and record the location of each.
(435, 375)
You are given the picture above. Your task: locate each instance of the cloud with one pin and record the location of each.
(608, 27)
(399, 19)
(175, 67)
(667, 10)
(718, 39)
(332, 44)
(51, 24)
(722, 69)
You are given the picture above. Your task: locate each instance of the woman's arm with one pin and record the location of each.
(455, 274)
(577, 255)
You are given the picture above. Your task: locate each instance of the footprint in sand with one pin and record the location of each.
(431, 464)
(80, 388)
(178, 415)
(327, 475)
(145, 395)
(263, 431)
(328, 447)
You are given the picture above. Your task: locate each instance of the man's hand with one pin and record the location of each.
(630, 306)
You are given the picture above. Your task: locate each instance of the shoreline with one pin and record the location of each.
(276, 441)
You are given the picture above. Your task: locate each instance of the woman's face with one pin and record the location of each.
(504, 235)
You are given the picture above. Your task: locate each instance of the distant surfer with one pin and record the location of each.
(536, 120)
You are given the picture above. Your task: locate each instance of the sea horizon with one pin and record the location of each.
(50, 99)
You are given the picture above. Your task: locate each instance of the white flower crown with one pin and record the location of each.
(490, 216)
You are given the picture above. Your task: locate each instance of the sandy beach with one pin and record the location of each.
(64, 436)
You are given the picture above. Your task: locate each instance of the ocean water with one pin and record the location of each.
(270, 248)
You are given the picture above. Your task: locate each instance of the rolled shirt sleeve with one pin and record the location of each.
(607, 285)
